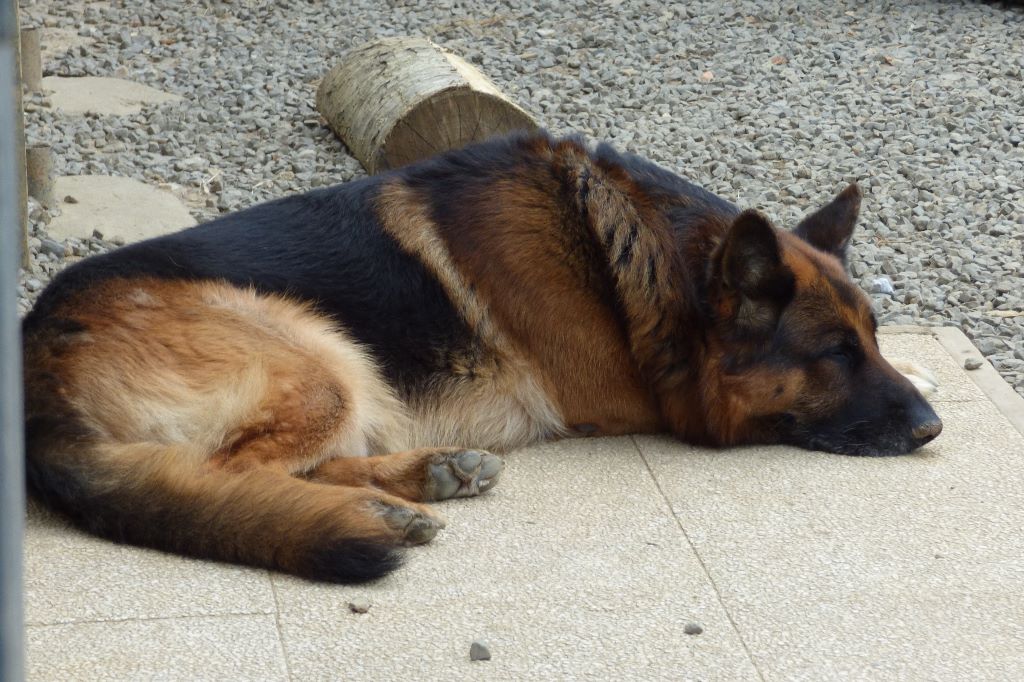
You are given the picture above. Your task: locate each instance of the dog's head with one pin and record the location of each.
(792, 356)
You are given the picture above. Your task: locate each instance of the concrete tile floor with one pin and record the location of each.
(590, 559)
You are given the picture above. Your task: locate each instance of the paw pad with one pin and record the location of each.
(416, 527)
(463, 473)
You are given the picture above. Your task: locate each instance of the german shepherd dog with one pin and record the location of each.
(285, 386)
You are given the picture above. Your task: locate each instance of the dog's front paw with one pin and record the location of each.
(922, 378)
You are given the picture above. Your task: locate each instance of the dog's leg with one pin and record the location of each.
(352, 511)
(425, 474)
(185, 415)
(298, 422)
(921, 377)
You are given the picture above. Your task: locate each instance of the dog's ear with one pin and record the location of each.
(830, 227)
(754, 284)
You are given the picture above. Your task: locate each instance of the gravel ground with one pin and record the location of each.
(771, 103)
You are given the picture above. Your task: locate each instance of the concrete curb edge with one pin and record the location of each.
(1002, 395)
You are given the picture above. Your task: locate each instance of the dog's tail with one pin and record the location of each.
(162, 496)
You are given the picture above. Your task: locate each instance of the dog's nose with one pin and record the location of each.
(926, 432)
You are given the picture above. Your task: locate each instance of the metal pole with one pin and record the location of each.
(12, 456)
(19, 136)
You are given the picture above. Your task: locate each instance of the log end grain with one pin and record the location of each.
(448, 120)
(398, 100)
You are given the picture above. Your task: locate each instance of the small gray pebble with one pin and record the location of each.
(478, 651)
(972, 363)
(359, 606)
(693, 628)
(54, 248)
(70, 200)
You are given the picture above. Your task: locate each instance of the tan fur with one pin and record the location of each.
(405, 216)
(402, 473)
(548, 308)
(195, 404)
(535, 309)
(210, 364)
(495, 400)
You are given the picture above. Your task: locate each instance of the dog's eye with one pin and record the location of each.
(845, 353)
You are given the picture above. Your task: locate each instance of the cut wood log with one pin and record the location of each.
(31, 60)
(39, 169)
(398, 100)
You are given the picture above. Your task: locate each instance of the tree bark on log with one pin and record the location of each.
(398, 100)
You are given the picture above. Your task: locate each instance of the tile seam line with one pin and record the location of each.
(700, 559)
(277, 626)
(143, 619)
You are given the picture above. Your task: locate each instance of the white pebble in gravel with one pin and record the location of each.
(882, 285)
